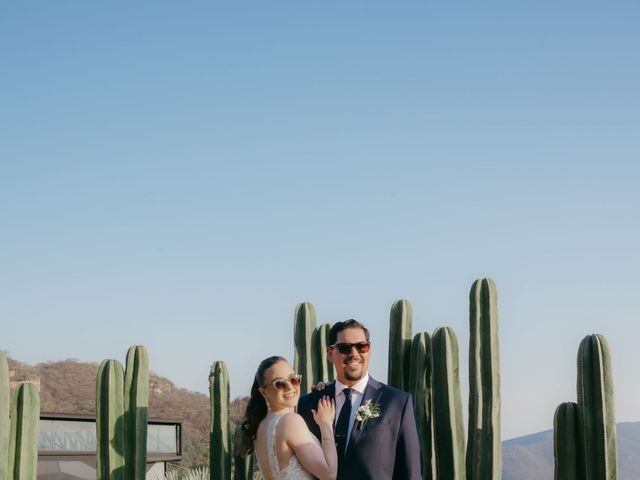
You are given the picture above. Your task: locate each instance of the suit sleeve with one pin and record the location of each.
(408, 464)
(305, 404)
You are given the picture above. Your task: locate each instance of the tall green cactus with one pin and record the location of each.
(420, 388)
(110, 421)
(448, 428)
(5, 425)
(484, 449)
(566, 443)
(304, 360)
(400, 327)
(220, 432)
(23, 442)
(136, 401)
(121, 417)
(596, 409)
(325, 371)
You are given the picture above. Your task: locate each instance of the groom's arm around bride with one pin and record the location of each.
(376, 433)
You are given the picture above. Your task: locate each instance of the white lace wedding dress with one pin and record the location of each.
(294, 469)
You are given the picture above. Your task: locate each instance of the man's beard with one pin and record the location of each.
(354, 376)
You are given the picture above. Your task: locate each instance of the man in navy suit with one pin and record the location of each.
(385, 447)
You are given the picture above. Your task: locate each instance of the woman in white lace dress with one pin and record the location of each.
(284, 446)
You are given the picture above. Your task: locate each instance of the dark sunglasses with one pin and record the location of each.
(345, 348)
(280, 383)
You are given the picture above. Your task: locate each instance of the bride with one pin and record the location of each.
(284, 446)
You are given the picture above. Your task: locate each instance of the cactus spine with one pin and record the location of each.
(448, 429)
(484, 450)
(400, 344)
(566, 444)
(136, 401)
(220, 433)
(596, 409)
(5, 425)
(325, 371)
(109, 421)
(23, 442)
(304, 360)
(420, 388)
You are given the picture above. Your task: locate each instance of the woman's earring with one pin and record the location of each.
(264, 395)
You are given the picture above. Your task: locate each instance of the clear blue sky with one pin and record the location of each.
(181, 174)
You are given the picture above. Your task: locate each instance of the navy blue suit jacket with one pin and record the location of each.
(386, 447)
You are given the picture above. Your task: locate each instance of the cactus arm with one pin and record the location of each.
(5, 424)
(596, 409)
(220, 433)
(566, 442)
(136, 402)
(325, 370)
(420, 389)
(304, 360)
(23, 443)
(484, 449)
(448, 429)
(109, 421)
(400, 327)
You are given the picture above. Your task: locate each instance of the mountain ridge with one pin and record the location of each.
(530, 457)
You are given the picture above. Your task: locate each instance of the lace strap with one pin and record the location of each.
(271, 447)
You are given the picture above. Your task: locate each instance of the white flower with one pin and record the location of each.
(367, 411)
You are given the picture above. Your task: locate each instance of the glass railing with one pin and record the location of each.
(80, 436)
(162, 439)
(67, 435)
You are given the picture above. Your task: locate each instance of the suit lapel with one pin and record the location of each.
(314, 398)
(329, 390)
(370, 393)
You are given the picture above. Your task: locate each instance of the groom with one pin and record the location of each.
(378, 442)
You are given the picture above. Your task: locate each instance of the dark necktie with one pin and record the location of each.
(342, 425)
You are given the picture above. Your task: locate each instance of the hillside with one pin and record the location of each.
(531, 457)
(70, 387)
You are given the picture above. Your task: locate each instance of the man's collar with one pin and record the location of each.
(359, 386)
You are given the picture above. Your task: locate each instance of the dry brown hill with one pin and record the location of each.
(69, 386)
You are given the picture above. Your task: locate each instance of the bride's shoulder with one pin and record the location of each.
(294, 429)
(293, 421)
(292, 417)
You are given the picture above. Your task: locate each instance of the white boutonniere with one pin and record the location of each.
(367, 411)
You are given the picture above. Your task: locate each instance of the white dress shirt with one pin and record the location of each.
(356, 400)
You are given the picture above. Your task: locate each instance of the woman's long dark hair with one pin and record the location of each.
(256, 408)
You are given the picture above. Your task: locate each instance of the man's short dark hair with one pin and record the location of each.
(338, 327)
